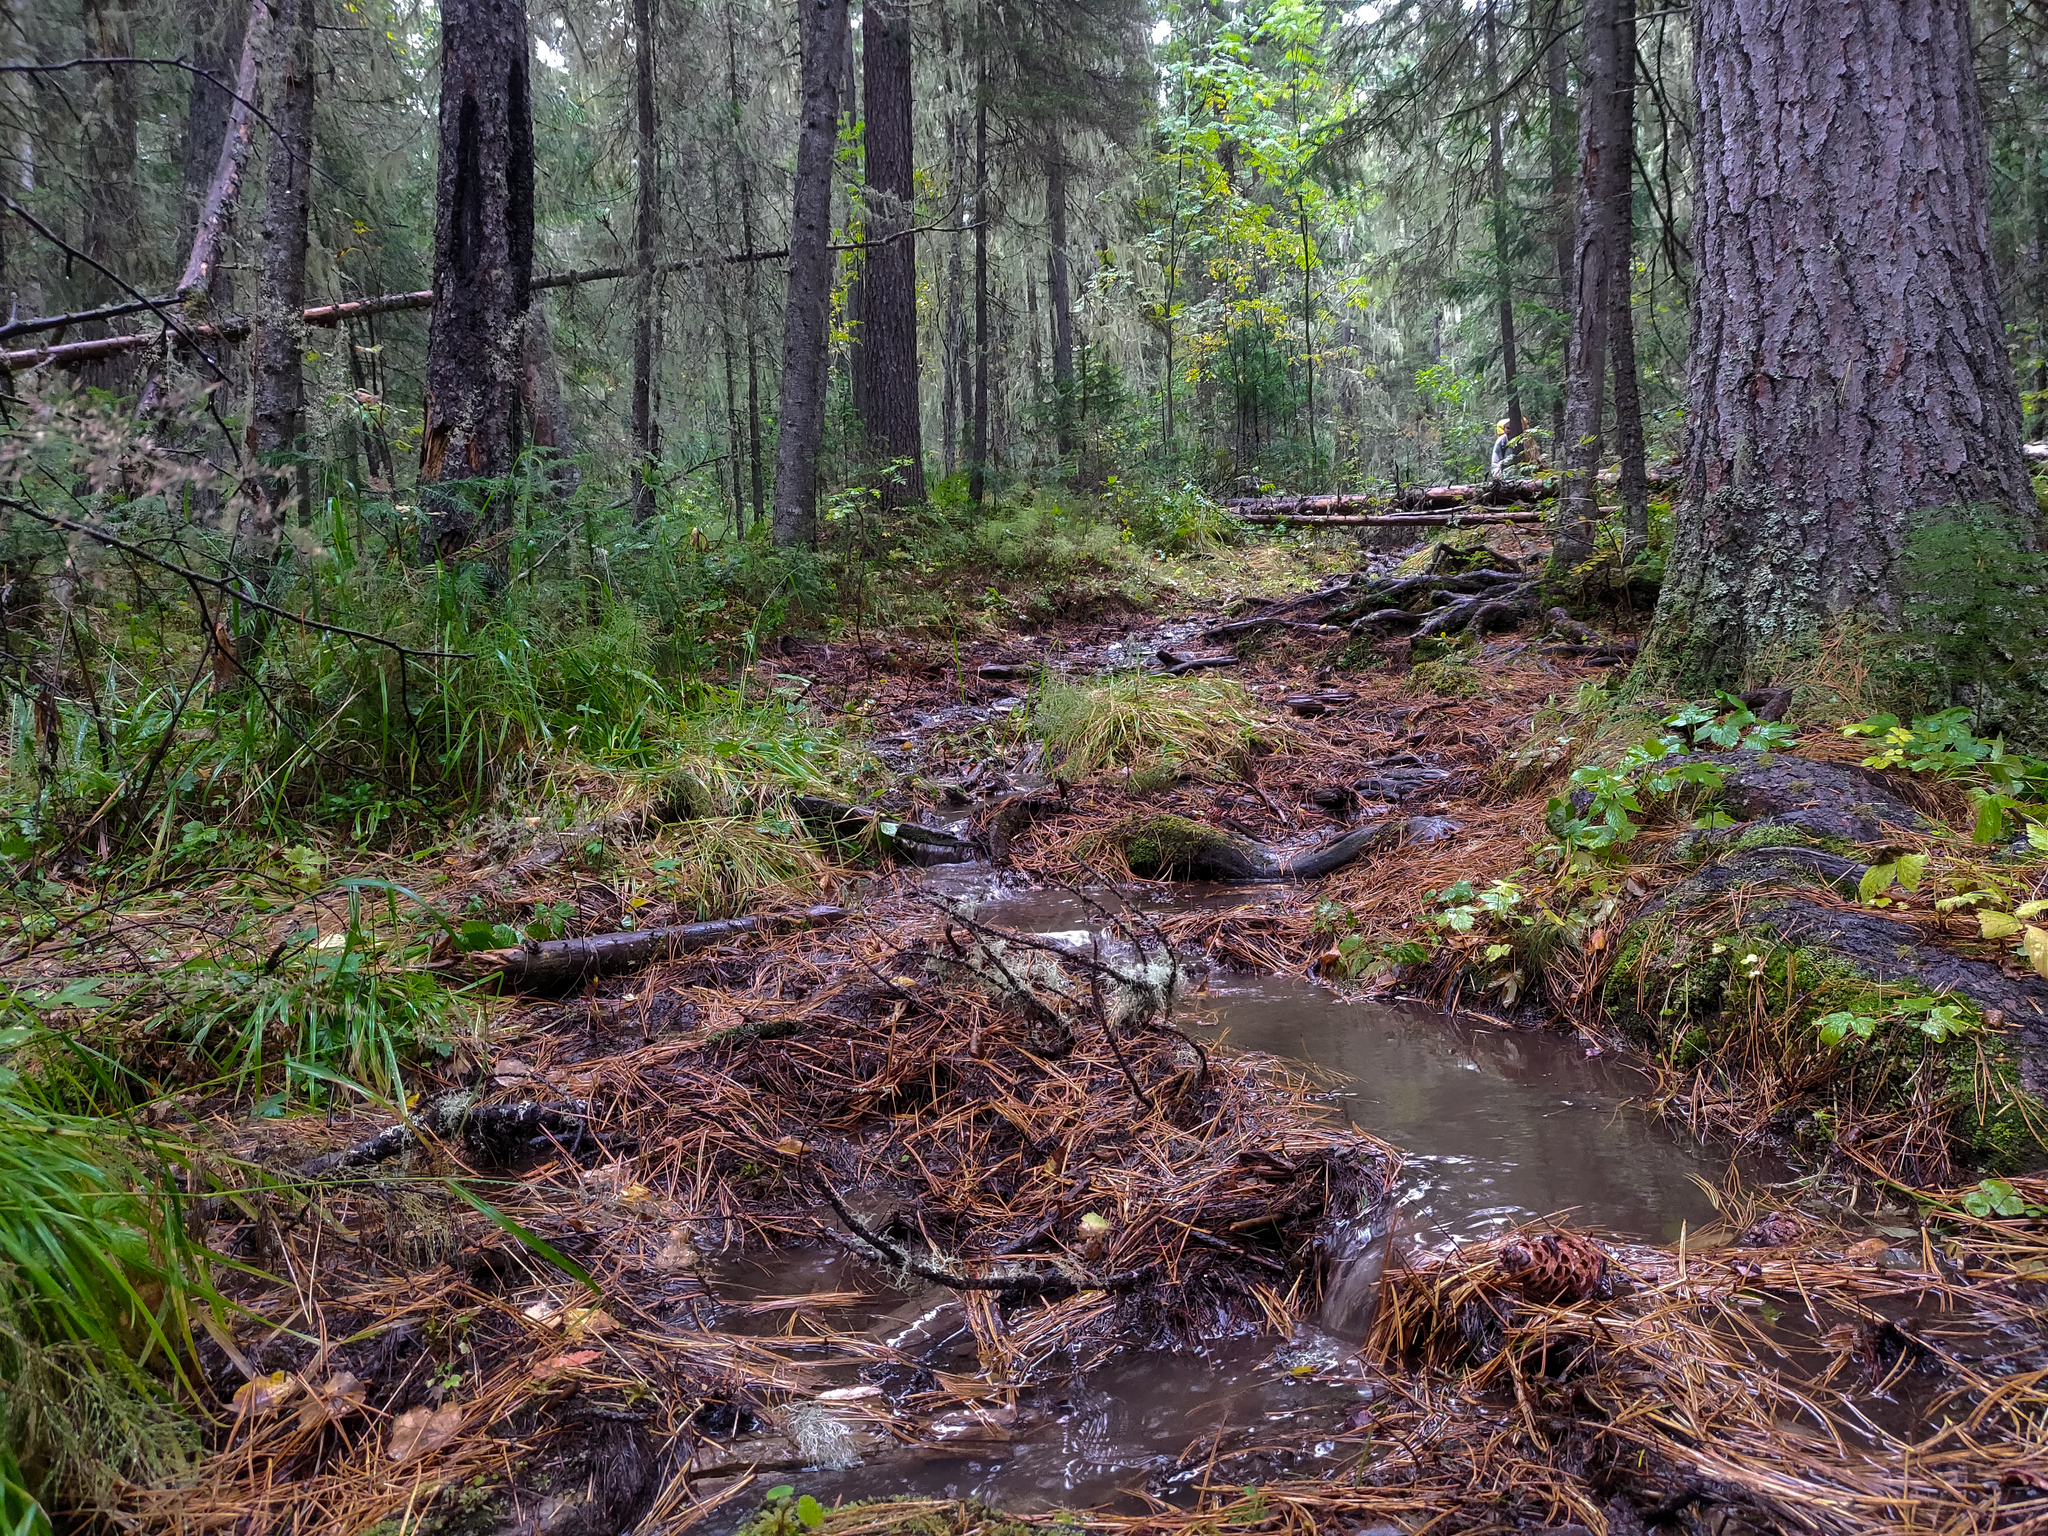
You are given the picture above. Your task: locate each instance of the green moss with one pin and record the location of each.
(1447, 679)
(872, 1518)
(1173, 845)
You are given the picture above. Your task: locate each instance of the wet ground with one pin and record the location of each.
(1499, 1126)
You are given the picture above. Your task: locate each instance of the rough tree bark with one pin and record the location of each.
(547, 412)
(806, 329)
(483, 265)
(889, 284)
(646, 218)
(750, 291)
(1059, 290)
(1634, 485)
(280, 383)
(1592, 277)
(1848, 379)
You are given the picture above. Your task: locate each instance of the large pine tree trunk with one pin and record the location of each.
(280, 384)
(889, 285)
(1848, 378)
(806, 328)
(483, 264)
(1592, 278)
(646, 217)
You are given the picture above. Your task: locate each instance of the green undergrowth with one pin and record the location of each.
(1134, 721)
(788, 1512)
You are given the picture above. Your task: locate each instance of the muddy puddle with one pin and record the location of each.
(1499, 1127)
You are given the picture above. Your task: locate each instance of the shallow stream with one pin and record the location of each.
(1497, 1126)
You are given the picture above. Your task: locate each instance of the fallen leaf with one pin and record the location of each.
(789, 1146)
(678, 1254)
(1869, 1248)
(547, 1313)
(265, 1394)
(573, 1360)
(341, 1395)
(635, 1194)
(421, 1431)
(592, 1320)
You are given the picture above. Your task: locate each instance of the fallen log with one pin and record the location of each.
(561, 963)
(492, 1135)
(1415, 499)
(1391, 519)
(1175, 847)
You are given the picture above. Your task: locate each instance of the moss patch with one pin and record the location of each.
(1166, 845)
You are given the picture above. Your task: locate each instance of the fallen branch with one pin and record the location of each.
(1392, 519)
(908, 841)
(561, 963)
(491, 1134)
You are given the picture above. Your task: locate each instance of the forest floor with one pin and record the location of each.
(896, 1184)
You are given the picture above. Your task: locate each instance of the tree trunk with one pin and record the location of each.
(1059, 292)
(215, 223)
(1560, 136)
(280, 385)
(540, 388)
(889, 286)
(110, 213)
(750, 294)
(214, 48)
(1592, 276)
(646, 221)
(1496, 169)
(483, 265)
(977, 464)
(806, 329)
(1848, 379)
(1634, 484)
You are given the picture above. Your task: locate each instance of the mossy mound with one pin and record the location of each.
(1172, 847)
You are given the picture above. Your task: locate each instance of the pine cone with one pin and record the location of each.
(1555, 1268)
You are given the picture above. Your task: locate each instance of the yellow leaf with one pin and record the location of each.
(2036, 945)
(679, 1253)
(421, 1431)
(1997, 925)
(789, 1146)
(2030, 909)
(265, 1393)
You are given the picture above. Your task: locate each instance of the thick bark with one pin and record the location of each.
(1621, 327)
(646, 221)
(889, 281)
(280, 384)
(806, 329)
(1848, 378)
(1059, 291)
(1592, 277)
(483, 265)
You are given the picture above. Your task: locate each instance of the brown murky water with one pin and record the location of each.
(1498, 1126)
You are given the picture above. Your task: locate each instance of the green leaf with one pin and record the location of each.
(1876, 880)
(1997, 925)
(1911, 867)
(532, 1241)
(810, 1512)
(2035, 942)
(779, 1491)
(2037, 836)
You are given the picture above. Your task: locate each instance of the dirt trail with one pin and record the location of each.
(1033, 1131)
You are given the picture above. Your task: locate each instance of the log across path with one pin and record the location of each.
(1485, 501)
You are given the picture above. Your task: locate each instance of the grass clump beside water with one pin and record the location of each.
(727, 865)
(1135, 720)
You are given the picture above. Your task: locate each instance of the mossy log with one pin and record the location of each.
(1175, 847)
